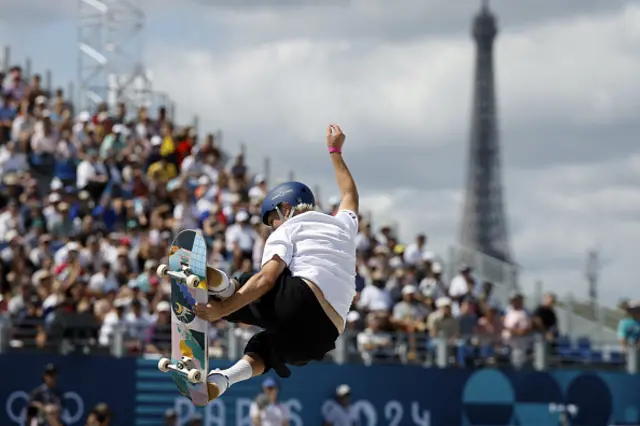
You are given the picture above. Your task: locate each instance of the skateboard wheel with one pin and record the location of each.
(193, 280)
(162, 271)
(194, 376)
(163, 364)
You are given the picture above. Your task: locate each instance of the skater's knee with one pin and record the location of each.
(264, 346)
(257, 363)
(241, 278)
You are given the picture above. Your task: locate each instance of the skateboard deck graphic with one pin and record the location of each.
(187, 270)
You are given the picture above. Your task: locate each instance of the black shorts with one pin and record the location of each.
(296, 328)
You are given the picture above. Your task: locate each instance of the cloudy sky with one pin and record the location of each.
(398, 79)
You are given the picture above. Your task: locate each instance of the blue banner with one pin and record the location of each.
(396, 395)
(83, 381)
(382, 395)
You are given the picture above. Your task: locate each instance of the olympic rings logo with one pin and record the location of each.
(16, 407)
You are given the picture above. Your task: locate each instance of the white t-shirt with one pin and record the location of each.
(460, 287)
(271, 415)
(322, 249)
(414, 254)
(87, 172)
(245, 236)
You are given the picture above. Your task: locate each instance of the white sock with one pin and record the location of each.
(238, 372)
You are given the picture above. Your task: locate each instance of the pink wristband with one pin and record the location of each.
(334, 150)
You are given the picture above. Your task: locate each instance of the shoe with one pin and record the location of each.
(217, 384)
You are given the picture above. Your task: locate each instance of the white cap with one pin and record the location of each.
(259, 178)
(117, 128)
(84, 116)
(442, 302)
(436, 268)
(56, 184)
(10, 235)
(120, 303)
(242, 216)
(395, 262)
(227, 211)
(163, 306)
(343, 390)
(353, 316)
(156, 140)
(428, 255)
(409, 289)
(73, 246)
(54, 198)
(378, 305)
(41, 100)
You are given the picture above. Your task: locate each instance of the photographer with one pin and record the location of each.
(266, 410)
(45, 402)
(99, 416)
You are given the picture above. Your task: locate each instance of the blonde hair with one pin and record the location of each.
(303, 208)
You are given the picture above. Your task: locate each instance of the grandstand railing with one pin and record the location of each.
(575, 318)
(227, 342)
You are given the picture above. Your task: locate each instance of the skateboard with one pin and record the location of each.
(187, 270)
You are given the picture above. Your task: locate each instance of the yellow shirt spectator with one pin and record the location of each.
(168, 147)
(162, 170)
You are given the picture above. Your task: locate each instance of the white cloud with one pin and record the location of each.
(563, 74)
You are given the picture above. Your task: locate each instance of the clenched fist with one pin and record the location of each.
(335, 137)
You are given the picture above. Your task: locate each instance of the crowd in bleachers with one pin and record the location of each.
(91, 200)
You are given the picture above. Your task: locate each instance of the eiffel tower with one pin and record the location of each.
(484, 224)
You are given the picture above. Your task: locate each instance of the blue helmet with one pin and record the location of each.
(292, 193)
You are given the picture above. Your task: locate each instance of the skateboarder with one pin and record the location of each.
(304, 289)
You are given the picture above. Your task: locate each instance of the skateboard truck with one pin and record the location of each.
(184, 276)
(184, 366)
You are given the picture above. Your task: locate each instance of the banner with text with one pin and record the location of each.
(391, 395)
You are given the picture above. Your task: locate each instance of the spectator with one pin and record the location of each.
(544, 318)
(8, 113)
(375, 296)
(14, 85)
(517, 330)
(266, 410)
(488, 334)
(46, 398)
(170, 418)
(417, 252)
(100, 415)
(442, 323)
(432, 285)
(374, 343)
(409, 312)
(340, 412)
(463, 284)
(410, 316)
(629, 327)
(160, 330)
(468, 319)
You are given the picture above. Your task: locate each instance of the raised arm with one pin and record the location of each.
(350, 200)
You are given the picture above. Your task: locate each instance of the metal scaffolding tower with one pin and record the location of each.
(110, 66)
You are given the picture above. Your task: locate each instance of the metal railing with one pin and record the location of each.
(227, 342)
(575, 318)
